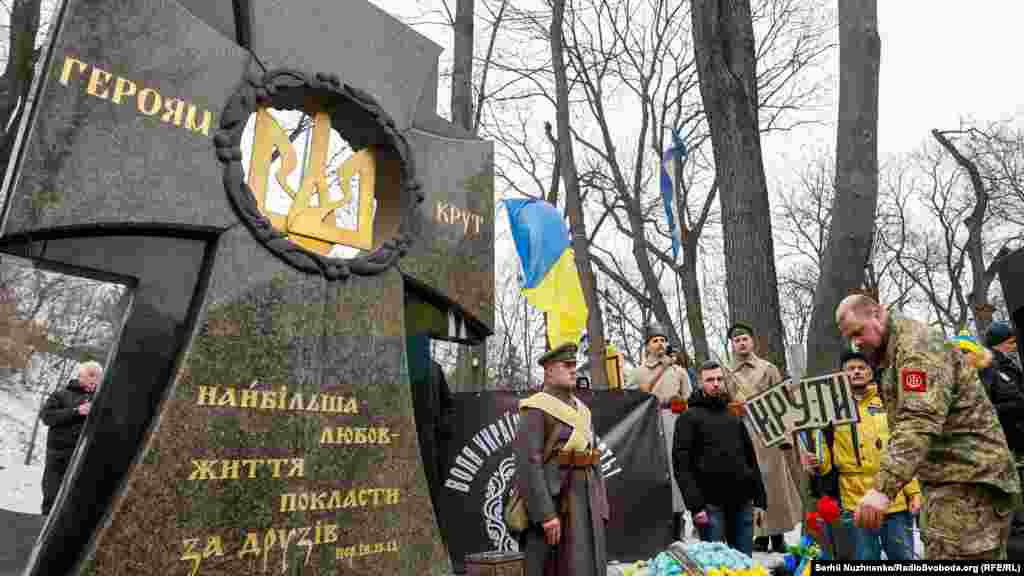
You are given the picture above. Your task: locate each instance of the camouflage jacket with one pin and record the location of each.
(943, 427)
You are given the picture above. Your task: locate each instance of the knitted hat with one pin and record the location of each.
(998, 333)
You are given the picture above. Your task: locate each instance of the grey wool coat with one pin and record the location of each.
(577, 496)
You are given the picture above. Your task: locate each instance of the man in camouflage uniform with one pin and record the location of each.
(943, 430)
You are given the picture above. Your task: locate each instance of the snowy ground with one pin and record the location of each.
(20, 484)
(21, 489)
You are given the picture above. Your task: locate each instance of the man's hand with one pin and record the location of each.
(701, 518)
(915, 504)
(84, 407)
(552, 531)
(809, 461)
(759, 514)
(871, 510)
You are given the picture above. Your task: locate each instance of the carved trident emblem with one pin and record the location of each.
(310, 225)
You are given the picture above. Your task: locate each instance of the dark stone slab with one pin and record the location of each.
(364, 352)
(453, 251)
(365, 46)
(18, 533)
(262, 333)
(91, 160)
(218, 14)
(180, 469)
(168, 271)
(1011, 276)
(268, 327)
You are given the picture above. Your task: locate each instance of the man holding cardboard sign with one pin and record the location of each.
(854, 452)
(751, 376)
(943, 429)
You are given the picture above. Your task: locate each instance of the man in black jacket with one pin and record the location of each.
(1006, 386)
(715, 465)
(65, 412)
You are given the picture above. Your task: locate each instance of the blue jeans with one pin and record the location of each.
(733, 525)
(895, 537)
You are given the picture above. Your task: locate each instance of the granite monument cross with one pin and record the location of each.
(292, 223)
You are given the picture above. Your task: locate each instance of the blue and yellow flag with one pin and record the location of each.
(672, 158)
(550, 281)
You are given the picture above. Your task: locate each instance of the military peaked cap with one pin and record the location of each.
(848, 355)
(655, 330)
(562, 353)
(738, 329)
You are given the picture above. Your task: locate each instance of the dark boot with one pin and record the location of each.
(778, 544)
(761, 544)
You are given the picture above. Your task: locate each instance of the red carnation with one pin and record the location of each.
(813, 522)
(828, 509)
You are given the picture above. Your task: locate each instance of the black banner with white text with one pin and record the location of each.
(480, 464)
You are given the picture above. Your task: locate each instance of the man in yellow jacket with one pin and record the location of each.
(856, 451)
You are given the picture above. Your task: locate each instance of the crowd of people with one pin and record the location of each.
(939, 438)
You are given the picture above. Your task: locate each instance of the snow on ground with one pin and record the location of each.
(21, 489)
(20, 484)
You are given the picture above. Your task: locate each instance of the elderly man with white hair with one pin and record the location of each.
(65, 412)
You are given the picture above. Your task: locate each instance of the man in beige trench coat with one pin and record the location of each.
(752, 375)
(659, 374)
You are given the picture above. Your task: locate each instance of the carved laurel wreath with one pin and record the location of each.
(257, 91)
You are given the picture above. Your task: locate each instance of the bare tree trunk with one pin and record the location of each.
(595, 323)
(694, 307)
(691, 286)
(677, 186)
(844, 265)
(488, 58)
(643, 263)
(462, 65)
(17, 77)
(556, 172)
(724, 46)
(981, 275)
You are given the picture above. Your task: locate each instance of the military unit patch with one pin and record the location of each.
(914, 380)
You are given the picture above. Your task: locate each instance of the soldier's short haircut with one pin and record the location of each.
(857, 304)
(863, 303)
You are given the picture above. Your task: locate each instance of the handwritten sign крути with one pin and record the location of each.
(791, 406)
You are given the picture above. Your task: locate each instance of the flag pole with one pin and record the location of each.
(526, 343)
(676, 186)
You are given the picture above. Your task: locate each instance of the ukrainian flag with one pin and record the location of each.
(550, 281)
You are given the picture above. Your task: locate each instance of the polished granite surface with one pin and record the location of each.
(209, 471)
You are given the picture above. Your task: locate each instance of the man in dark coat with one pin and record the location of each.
(559, 472)
(1005, 382)
(65, 412)
(1006, 385)
(716, 466)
